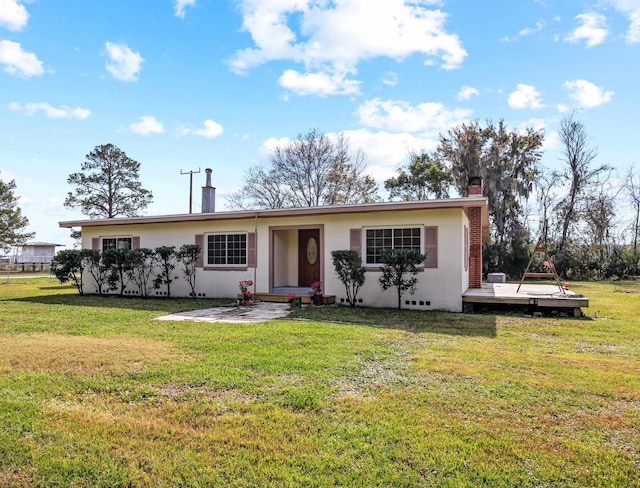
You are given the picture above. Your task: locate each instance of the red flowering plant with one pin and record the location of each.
(316, 288)
(290, 297)
(247, 296)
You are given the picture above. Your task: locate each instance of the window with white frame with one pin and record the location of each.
(117, 243)
(379, 240)
(227, 249)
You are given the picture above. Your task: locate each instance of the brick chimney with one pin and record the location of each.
(475, 235)
(208, 195)
(475, 186)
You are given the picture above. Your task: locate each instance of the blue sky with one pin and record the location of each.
(189, 84)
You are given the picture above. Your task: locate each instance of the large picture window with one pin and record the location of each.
(227, 249)
(116, 243)
(378, 240)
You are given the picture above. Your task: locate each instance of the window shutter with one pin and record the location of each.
(252, 254)
(200, 243)
(355, 240)
(95, 243)
(135, 242)
(431, 246)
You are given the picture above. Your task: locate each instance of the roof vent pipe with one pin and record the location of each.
(208, 195)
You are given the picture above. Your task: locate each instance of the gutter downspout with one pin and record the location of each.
(255, 268)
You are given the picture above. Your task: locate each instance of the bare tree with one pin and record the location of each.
(311, 170)
(632, 188)
(598, 216)
(578, 173)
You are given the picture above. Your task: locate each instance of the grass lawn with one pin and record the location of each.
(95, 392)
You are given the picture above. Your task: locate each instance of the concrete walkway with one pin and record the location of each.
(258, 312)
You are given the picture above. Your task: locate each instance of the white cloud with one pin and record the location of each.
(541, 24)
(50, 111)
(148, 125)
(400, 116)
(632, 9)
(587, 94)
(320, 83)
(386, 150)
(390, 79)
(466, 92)
(13, 15)
(525, 96)
(333, 37)
(562, 108)
(593, 29)
(633, 34)
(124, 64)
(180, 6)
(17, 62)
(211, 129)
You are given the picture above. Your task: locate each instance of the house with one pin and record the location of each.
(37, 252)
(292, 247)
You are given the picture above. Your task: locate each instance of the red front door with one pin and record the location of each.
(308, 256)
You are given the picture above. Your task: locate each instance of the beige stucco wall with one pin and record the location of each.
(441, 287)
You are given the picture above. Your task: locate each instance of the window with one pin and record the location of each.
(378, 240)
(227, 249)
(116, 243)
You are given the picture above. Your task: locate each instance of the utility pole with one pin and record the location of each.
(190, 173)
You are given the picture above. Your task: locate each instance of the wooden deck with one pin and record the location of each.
(532, 296)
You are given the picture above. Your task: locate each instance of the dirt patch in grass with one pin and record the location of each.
(78, 354)
(182, 393)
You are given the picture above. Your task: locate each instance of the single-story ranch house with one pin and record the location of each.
(292, 247)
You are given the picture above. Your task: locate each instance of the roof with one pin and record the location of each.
(466, 202)
(41, 244)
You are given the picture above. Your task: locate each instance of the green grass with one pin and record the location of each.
(95, 392)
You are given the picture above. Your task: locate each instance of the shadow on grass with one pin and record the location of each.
(483, 325)
(152, 304)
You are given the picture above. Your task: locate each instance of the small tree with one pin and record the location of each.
(12, 222)
(167, 261)
(143, 263)
(188, 255)
(68, 265)
(119, 264)
(397, 263)
(350, 271)
(92, 262)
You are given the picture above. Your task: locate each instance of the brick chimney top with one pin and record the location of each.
(475, 186)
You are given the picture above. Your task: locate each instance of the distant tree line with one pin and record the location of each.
(577, 205)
